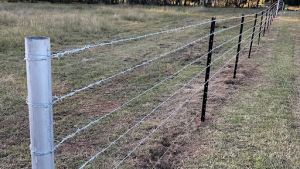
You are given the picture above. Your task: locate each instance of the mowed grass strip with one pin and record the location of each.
(260, 130)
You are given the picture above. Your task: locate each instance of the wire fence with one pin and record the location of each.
(57, 55)
(145, 63)
(208, 98)
(265, 16)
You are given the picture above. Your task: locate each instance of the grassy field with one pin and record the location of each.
(259, 127)
(71, 26)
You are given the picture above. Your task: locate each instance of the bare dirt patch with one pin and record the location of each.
(177, 145)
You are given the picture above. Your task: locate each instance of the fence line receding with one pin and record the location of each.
(40, 101)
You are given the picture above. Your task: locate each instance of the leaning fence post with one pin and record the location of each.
(261, 21)
(239, 46)
(211, 41)
(39, 85)
(252, 35)
(265, 23)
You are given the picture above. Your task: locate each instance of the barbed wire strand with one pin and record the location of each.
(184, 129)
(164, 121)
(128, 102)
(57, 55)
(177, 108)
(121, 136)
(194, 117)
(171, 76)
(42, 153)
(241, 60)
(139, 65)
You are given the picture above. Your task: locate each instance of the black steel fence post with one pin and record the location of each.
(272, 15)
(275, 11)
(239, 47)
(272, 11)
(261, 21)
(211, 40)
(268, 22)
(252, 36)
(265, 23)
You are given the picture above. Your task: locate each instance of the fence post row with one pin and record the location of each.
(211, 41)
(39, 85)
(239, 46)
(252, 35)
(261, 21)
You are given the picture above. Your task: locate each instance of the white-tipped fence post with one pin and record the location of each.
(39, 84)
(277, 7)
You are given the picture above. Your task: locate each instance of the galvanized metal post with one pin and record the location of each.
(252, 35)
(277, 7)
(261, 21)
(210, 46)
(39, 84)
(239, 46)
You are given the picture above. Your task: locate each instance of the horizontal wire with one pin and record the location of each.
(64, 139)
(144, 63)
(153, 110)
(169, 115)
(142, 36)
(194, 116)
(127, 39)
(122, 40)
(97, 120)
(178, 108)
(42, 153)
(169, 77)
(121, 136)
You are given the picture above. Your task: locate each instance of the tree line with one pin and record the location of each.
(206, 3)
